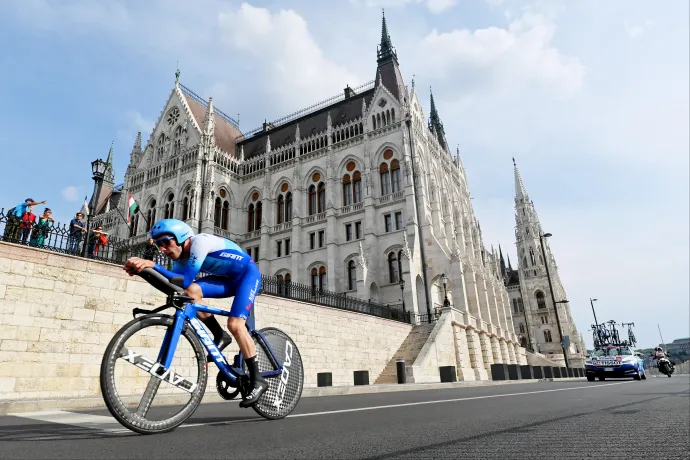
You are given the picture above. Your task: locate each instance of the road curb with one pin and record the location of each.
(18, 406)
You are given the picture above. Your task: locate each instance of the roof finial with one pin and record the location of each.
(413, 81)
(177, 73)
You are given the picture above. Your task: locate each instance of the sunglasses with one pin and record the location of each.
(165, 241)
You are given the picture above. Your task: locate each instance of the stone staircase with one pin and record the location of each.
(409, 350)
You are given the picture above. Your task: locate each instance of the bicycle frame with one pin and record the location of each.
(189, 314)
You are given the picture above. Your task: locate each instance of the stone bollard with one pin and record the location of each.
(400, 367)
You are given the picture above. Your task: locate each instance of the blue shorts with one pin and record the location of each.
(245, 288)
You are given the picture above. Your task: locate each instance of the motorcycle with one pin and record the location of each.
(665, 366)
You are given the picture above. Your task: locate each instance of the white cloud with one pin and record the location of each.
(637, 30)
(503, 60)
(288, 62)
(434, 6)
(71, 193)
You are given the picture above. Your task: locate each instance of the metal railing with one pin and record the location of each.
(56, 237)
(302, 292)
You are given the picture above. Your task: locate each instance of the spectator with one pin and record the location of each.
(14, 217)
(42, 228)
(97, 239)
(27, 222)
(76, 229)
(151, 250)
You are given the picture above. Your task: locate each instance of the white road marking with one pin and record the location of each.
(97, 422)
(420, 403)
(108, 424)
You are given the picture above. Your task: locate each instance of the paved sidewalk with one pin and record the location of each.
(34, 405)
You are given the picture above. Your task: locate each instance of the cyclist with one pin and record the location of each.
(231, 272)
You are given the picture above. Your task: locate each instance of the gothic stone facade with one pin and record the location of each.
(528, 288)
(349, 196)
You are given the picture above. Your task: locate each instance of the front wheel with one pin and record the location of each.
(285, 390)
(184, 381)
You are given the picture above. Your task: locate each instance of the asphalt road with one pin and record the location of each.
(603, 420)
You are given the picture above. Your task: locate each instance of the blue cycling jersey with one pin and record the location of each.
(209, 254)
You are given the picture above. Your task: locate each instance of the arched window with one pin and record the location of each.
(321, 191)
(288, 207)
(169, 211)
(257, 224)
(284, 284)
(522, 328)
(531, 256)
(284, 204)
(523, 342)
(515, 305)
(347, 190)
(385, 179)
(547, 336)
(217, 208)
(160, 147)
(317, 195)
(351, 276)
(254, 213)
(522, 308)
(280, 210)
(185, 208)
(393, 267)
(177, 148)
(151, 215)
(221, 210)
(352, 185)
(318, 279)
(312, 200)
(389, 171)
(541, 302)
(250, 218)
(356, 187)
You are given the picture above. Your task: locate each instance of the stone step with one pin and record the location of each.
(409, 350)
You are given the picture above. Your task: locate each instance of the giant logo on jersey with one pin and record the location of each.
(231, 256)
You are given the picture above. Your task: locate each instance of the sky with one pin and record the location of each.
(590, 98)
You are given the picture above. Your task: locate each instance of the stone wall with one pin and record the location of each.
(58, 313)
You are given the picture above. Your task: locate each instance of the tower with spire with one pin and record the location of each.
(528, 287)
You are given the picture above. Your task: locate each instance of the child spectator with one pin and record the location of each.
(27, 222)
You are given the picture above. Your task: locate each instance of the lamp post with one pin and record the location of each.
(553, 298)
(98, 168)
(444, 279)
(591, 301)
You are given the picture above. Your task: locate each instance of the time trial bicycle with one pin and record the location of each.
(278, 356)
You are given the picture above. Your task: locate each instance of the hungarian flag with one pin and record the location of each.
(132, 207)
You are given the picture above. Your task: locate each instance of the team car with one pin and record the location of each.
(615, 361)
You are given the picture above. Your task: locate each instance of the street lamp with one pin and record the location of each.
(553, 298)
(444, 279)
(98, 169)
(402, 294)
(591, 301)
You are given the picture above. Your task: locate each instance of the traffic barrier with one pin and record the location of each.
(514, 372)
(526, 372)
(499, 372)
(324, 379)
(448, 373)
(400, 368)
(361, 377)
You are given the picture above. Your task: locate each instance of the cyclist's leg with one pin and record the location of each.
(247, 288)
(212, 287)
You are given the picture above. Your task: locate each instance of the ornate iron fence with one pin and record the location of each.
(56, 237)
(296, 291)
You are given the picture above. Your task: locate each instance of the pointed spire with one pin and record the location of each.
(520, 193)
(110, 154)
(209, 119)
(385, 51)
(137, 143)
(510, 266)
(504, 272)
